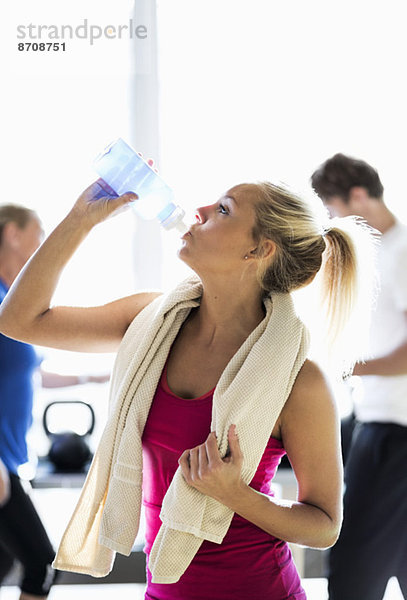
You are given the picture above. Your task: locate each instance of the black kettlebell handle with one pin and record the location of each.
(44, 417)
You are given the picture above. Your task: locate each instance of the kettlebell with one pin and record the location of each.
(69, 451)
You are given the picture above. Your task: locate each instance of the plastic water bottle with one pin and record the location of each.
(125, 171)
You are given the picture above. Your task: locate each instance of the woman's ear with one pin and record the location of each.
(266, 249)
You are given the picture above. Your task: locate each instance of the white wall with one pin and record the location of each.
(247, 91)
(62, 109)
(268, 90)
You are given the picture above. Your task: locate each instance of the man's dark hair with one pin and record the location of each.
(339, 174)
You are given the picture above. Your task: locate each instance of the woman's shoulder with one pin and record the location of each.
(311, 390)
(310, 374)
(309, 401)
(310, 408)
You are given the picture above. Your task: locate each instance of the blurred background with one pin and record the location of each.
(217, 93)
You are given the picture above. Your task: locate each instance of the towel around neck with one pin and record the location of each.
(251, 393)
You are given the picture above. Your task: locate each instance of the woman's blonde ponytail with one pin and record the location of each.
(338, 254)
(339, 279)
(347, 288)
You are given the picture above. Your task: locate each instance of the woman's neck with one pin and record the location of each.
(228, 311)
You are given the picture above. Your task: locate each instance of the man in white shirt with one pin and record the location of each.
(372, 546)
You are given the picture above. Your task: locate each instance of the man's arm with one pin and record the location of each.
(393, 363)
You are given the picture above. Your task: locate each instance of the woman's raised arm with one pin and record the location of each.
(25, 313)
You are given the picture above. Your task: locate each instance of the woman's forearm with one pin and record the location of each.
(29, 298)
(291, 521)
(30, 295)
(305, 522)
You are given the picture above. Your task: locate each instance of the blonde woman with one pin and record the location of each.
(221, 392)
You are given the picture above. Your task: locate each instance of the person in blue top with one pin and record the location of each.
(22, 535)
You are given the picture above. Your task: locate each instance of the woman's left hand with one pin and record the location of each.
(204, 469)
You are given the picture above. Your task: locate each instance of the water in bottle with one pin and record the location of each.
(125, 171)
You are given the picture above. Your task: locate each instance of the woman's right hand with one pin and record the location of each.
(4, 484)
(99, 202)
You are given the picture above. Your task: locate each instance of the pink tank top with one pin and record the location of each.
(249, 563)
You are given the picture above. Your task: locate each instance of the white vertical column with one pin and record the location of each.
(144, 133)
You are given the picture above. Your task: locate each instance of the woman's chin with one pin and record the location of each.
(183, 253)
(187, 259)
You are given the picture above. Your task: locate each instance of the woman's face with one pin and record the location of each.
(222, 236)
(28, 239)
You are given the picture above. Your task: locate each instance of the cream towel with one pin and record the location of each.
(250, 393)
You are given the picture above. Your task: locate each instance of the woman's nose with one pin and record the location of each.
(202, 213)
